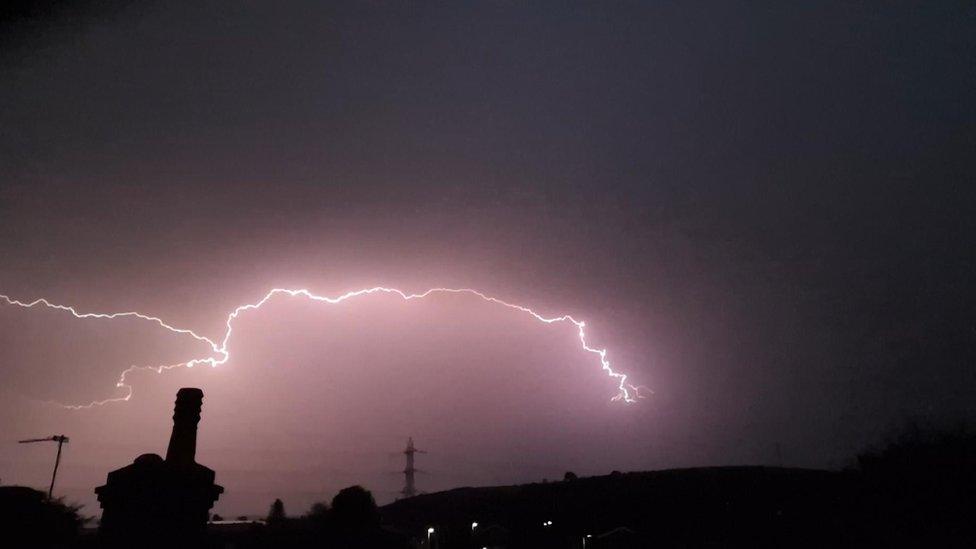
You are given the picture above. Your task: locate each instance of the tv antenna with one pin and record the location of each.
(60, 439)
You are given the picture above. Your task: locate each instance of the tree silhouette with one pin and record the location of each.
(28, 514)
(920, 484)
(318, 510)
(276, 515)
(355, 509)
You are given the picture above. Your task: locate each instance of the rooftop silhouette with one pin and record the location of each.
(162, 502)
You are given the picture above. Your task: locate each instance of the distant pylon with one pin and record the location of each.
(410, 489)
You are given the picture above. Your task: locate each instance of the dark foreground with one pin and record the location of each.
(705, 507)
(713, 507)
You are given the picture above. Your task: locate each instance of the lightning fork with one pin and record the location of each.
(625, 391)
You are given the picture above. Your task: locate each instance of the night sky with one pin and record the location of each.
(764, 211)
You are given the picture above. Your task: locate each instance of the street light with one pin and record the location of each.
(473, 526)
(430, 531)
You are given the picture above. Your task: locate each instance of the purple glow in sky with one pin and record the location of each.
(398, 348)
(626, 392)
(764, 214)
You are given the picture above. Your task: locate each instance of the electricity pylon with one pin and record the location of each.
(410, 490)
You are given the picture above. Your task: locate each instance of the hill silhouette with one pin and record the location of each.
(725, 505)
(911, 492)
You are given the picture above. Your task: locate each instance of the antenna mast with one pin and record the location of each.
(60, 439)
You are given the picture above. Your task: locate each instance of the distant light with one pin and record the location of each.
(430, 530)
(474, 525)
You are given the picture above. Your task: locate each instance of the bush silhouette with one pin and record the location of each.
(354, 508)
(27, 514)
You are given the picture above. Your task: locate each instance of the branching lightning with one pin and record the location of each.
(221, 351)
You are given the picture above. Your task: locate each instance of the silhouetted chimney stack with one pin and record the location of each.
(162, 503)
(186, 415)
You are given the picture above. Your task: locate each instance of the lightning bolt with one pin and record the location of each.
(221, 351)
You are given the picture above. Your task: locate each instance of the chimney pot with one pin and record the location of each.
(186, 414)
